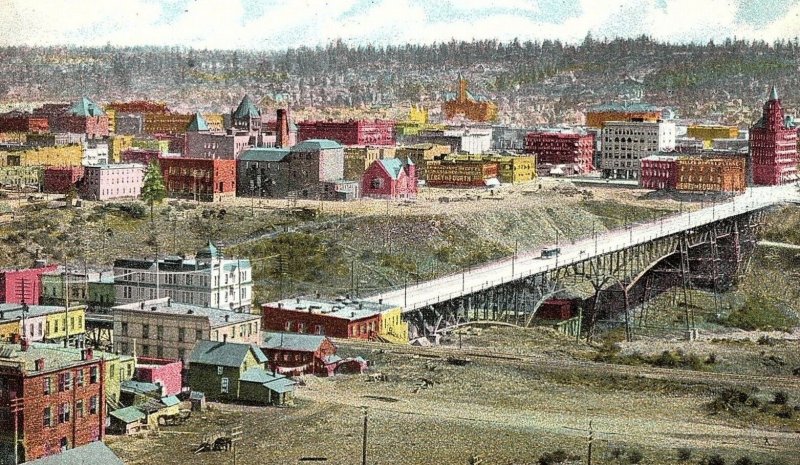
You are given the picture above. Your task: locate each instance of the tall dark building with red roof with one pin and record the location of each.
(773, 146)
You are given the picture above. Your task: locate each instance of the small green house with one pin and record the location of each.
(235, 372)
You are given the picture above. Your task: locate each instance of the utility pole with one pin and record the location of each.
(591, 438)
(66, 302)
(405, 292)
(514, 257)
(364, 438)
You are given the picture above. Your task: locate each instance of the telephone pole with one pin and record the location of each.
(364, 438)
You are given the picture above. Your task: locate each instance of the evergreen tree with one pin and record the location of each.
(153, 189)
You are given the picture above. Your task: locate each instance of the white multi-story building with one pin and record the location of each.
(625, 143)
(208, 280)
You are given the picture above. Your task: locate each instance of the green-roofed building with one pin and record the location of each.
(197, 124)
(247, 117)
(234, 372)
(262, 172)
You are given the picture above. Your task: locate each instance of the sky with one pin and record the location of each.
(279, 24)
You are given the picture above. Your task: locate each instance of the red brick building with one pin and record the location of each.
(161, 372)
(59, 179)
(376, 132)
(555, 148)
(390, 179)
(82, 117)
(773, 146)
(11, 284)
(334, 319)
(52, 399)
(659, 172)
(138, 106)
(298, 353)
(199, 178)
(17, 121)
(142, 156)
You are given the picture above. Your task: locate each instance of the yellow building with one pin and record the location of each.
(119, 368)
(393, 328)
(515, 170)
(9, 330)
(59, 324)
(112, 121)
(708, 132)
(357, 159)
(66, 155)
(421, 154)
(176, 123)
(20, 175)
(116, 145)
(510, 169)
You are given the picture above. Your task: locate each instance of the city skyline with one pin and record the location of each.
(273, 25)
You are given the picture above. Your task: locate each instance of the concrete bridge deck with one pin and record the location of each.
(529, 263)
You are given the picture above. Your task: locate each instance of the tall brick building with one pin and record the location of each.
(82, 117)
(556, 148)
(199, 178)
(17, 121)
(53, 399)
(773, 146)
(59, 179)
(376, 132)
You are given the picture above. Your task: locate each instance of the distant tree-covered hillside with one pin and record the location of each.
(532, 82)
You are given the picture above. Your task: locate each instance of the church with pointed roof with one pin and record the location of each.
(773, 146)
(464, 104)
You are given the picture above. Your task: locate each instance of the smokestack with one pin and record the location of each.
(282, 129)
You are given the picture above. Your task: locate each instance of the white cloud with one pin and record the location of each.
(280, 24)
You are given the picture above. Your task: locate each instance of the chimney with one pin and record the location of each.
(298, 300)
(361, 305)
(89, 353)
(169, 301)
(352, 314)
(190, 312)
(141, 305)
(227, 318)
(380, 301)
(38, 364)
(153, 308)
(282, 129)
(2, 315)
(280, 304)
(83, 354)
(24, 344)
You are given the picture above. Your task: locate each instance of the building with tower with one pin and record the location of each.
(464, 104)
(247, 118)
(773, 146)
(208, 280)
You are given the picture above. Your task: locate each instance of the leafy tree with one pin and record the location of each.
(153, 189)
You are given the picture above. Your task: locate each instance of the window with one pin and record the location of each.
(93, 405)
(288, 326)
(79, 408)
(159, 352)
(159, 332)
(145, 349)
(224, 386)
(93, 372)
(198, 334)
(219, 370)
(79, 378)
(63, 413)
(123, 347)
(47, 417)
(182, 354)
(146, 331)
(64, 381)
(48, 385)
(181, 334)
(124, 329)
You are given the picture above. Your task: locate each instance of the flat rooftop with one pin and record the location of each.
(341, 308)
(217, 317)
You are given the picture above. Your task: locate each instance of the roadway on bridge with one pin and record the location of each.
(530, 263)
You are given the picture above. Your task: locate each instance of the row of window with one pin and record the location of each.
(64, 414)
(65, 380)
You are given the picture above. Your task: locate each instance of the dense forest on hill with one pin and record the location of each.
(532, 82)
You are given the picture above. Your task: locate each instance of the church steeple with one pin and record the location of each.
(773, 95)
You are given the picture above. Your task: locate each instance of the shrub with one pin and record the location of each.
(552, 458)
(715, 459)
(785, 412)
(780, 398)
(761, 313)
(635, 456)
(684, 454)
(744, 460)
